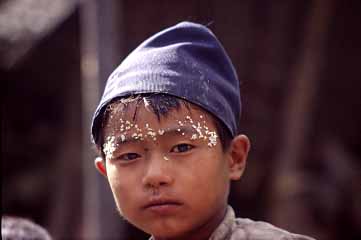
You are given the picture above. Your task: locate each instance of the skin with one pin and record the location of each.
(189, 178)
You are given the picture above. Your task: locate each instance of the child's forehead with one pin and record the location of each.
(140, 114)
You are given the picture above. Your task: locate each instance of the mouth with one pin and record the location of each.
(162, 206)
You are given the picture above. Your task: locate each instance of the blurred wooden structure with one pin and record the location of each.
(298, 62)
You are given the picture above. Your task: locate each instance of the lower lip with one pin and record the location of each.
(164, 209)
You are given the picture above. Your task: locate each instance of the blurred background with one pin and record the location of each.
(299, 64)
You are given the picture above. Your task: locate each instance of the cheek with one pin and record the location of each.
(209, 175)
(121, 185)
(212, 166)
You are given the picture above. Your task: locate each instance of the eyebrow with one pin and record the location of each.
(187, 130)
(178, 130)
(127, 140)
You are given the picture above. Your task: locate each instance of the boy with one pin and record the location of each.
(167, 130)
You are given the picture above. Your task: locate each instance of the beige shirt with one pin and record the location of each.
(232, 228)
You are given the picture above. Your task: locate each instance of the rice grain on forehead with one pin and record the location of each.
(114, 118)
(201, 132)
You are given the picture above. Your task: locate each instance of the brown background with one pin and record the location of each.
(299, 65)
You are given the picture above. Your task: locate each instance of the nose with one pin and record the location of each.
(157, 173)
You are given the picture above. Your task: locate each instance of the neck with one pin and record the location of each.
(204, 231)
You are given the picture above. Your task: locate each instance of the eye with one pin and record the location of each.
(180, 148)
(128, 156)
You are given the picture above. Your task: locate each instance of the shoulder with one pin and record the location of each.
(244, 228)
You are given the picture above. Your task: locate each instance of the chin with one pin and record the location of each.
(165, 235)
(163, 232)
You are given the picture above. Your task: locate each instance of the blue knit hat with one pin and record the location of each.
(186, 61)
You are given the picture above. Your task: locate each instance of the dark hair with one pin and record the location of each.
(160, 104)
(16, 228)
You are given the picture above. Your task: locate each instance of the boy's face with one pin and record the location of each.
(169, 177)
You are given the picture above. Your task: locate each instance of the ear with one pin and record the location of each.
(100, 166)
(238, 153)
